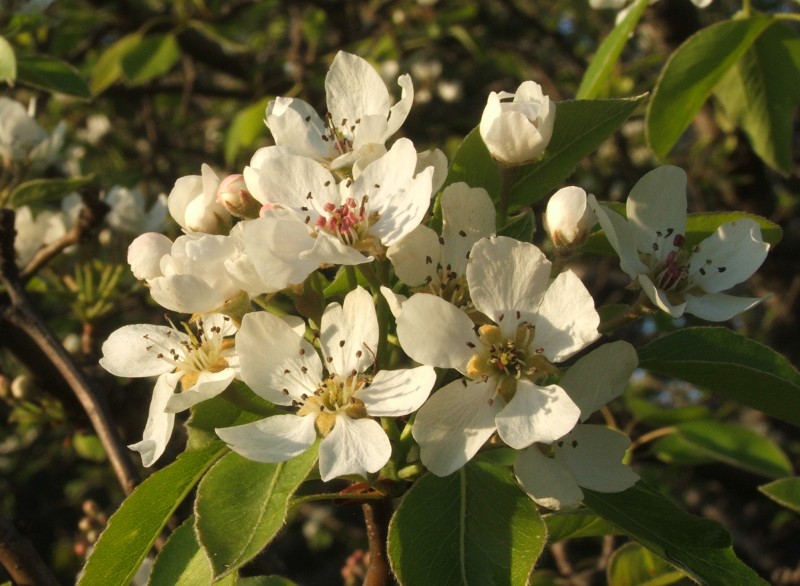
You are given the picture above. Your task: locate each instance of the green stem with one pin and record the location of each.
(786, 16)
(507, 175)
(352, 278)
(325, 496)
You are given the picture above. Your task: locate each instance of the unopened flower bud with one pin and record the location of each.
(193, 204)
(517, 128)
(233, 194)
(568, 218)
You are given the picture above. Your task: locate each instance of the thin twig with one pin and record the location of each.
(21, 315)
(20, 560)
(376, 516)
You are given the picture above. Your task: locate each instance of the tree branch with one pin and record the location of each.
(376, 516)
(20, 314)
(20, 560)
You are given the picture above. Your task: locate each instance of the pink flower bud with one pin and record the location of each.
(233, 194)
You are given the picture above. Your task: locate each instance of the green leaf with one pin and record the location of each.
(698, 227)
(475, 526)
(108, 67)
(521, 226)
(265, 581)
(225, 410)
(690, 75)
(39, 191)
(581, 126)
(151, 57)
(574, 524)
(473, 165)
(737, 446)
(673, 449)
(700, 547)
(242, 504)
(729, 364)
(602, 65)
(633, 565)
(761, 92)
(8, 62)
(182, 562)
(89, 446)
(52, 75)
(784, 491)
(246, 128)
(132, 530)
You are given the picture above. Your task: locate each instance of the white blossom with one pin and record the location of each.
(568, 217)
(517, 127)
(533, 323)
(193, 204)
(589, 456)
(360, 120)
(199, 365)
(128, 211)
(281, 366)
(651, 247)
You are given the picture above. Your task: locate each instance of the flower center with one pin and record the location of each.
(508, 359)
(334, 395)
(668, 261)
(348, 222)
(450, 286)
(201, 353)
(341, 135)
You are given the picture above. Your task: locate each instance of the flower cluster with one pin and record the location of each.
(411, 345)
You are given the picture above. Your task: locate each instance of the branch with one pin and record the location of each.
(376, 516)
(20, 314)
(20, 560)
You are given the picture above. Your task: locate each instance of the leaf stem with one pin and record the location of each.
(639, 308)
(507, 176)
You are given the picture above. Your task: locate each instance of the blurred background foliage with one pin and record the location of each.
(156, 88)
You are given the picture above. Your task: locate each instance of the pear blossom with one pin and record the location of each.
(359, 121)
(310, 220)
(233, 194)
(651, 246)
(188, 275)
(281, 366)
(589, 456)
(438, 263)
(532, 323)
(568, 217)
(36, 232)
(198, 365)
(19, 132)
(193, 204)
(517, 127)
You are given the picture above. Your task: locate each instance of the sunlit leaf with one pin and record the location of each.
(475, 526)
(784, 491)
(604, 61)
(242, 504)
(8, 62)
(730, 365)
(573, 524)
(245, 130)
(134, 527)
(761, 93)
(151, 57)
(691, 73)
(39, 191)
(108, 67)
(700, 547)
(633, 565)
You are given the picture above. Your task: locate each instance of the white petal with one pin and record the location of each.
(288, 179)
(546, 480)
(593, 454)
(622, 237)
(132, 351)
(354, 446)
(719, 306)
(273, 439)
(660, 298)
(274, 244)
(186, 294)
(208, 386)
(727, 257)
(506, 276)
(536, 414)
(657, 204)
(158, 428)
(454, 423)
(328, 249)
(405, 209)
(295, 124)
(469, 215)
(394, 300)
(600, 376)
(399, 112)
(349, 333)
(416, 256)
(436, 159)
(185, 190)
(435, 332)
(268, 348)
(393, 393)
(567, 320)
(354, 90)
(145, 254)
